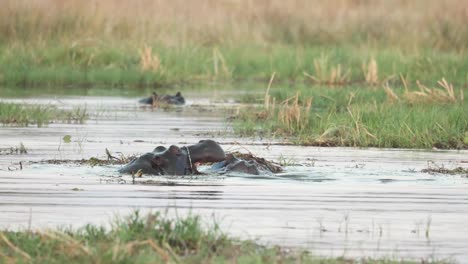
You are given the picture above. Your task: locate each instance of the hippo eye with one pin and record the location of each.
(175, 150)
(158, 161)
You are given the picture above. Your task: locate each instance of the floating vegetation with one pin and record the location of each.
(261, 163)
(93, 161)
(434, 168)
(20, 149)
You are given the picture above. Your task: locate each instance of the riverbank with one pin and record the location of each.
(77, 63)
(154, 238)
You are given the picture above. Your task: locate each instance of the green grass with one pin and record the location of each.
(154, 238)
(96, 64)
(360, 117)
(41, 115)
(76, 44)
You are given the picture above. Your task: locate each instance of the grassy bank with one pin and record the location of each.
(50, 64)
(415, 116)
(150, 239)
(154, 43)
(39, 115)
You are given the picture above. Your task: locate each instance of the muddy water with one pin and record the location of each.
(338, 201)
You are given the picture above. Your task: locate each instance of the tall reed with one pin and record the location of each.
(426, 23)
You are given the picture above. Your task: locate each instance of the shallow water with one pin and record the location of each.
(339, 201)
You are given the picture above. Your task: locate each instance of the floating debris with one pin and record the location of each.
(261, 163)
(441, 169)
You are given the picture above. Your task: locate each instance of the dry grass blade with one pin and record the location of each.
(392, 97)
(173, 254)
(425, 94)
(148, 61)
(371, 72)
(433, 95)
(67, 240)
(448, 87)
(267, 93)
(217, 59)
(294, 114)
(13, 247)
(132, 247)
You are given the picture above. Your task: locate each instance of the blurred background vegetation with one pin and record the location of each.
(148, 43)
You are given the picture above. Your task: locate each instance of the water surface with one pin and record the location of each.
(333, 201)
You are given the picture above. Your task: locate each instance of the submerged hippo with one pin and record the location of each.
(177, 99)
(232, 163)
(181, 161)
(175, 160)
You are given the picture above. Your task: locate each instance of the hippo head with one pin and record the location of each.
(171, 161)
(206, 151)
(162, 161)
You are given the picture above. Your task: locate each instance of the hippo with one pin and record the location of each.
(176, 99)
(232, 163)
(182, 161)
(175, 160)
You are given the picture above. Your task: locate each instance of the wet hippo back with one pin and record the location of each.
(206, 151)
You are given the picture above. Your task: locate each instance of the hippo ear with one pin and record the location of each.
(159, 149)
(178, 94)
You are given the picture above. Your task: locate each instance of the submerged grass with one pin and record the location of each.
(154, 238)
(40, 115)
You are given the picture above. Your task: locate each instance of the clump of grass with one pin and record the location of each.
(154, 238)
(433, 168)
(444, 95)
(40, 115)
(327, 74)
(294, 115)
(149, 61)
(370, 71)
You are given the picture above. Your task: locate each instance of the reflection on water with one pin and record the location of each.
(343, 201)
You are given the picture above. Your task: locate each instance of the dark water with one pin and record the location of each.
(338, 201)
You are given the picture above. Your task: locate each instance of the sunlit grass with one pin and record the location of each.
(152, 43)
(362, 117)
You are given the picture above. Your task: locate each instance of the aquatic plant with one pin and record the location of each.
(361, 117)
(41, 115)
